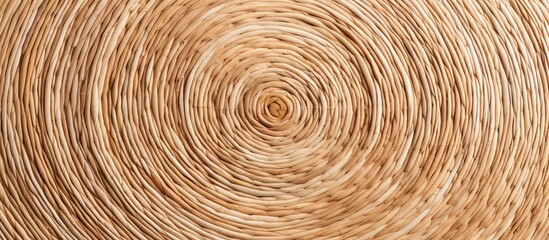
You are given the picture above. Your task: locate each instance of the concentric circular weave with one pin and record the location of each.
(262, 119)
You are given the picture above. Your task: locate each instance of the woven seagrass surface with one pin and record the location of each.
(287, 119)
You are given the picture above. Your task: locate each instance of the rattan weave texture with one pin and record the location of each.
(274, 119)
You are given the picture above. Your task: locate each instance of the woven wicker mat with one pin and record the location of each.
(264, 119)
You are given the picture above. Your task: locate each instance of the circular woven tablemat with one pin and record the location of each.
(289, 119)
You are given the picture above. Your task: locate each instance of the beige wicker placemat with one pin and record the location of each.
(274, 119)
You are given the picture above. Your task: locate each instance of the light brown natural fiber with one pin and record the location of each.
(264, 119)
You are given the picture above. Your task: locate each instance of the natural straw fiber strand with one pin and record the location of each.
(290, 119)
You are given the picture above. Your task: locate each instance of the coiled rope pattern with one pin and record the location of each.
(257, 119)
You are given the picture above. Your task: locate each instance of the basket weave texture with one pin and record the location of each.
(263, 119)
